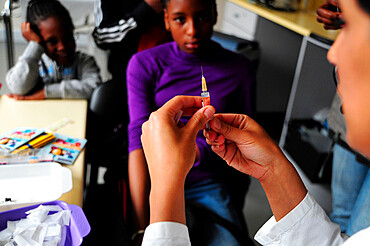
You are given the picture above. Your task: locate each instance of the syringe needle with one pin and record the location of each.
(204, 84)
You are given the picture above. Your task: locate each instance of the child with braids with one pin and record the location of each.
(50, 67)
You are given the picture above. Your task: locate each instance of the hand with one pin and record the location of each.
(243, 144)
(38, 95)
(29, 34)
(170, 151)
(170, 148)
(156, 5)
(329, 15)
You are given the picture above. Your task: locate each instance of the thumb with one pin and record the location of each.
(200, 118)
(228, 131)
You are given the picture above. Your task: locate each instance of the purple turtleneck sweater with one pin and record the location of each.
(156, 75)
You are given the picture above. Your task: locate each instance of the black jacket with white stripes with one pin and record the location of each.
(118, 29)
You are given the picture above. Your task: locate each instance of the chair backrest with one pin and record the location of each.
(109, 101)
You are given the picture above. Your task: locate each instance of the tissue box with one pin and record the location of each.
(79, 226)
(26, 184)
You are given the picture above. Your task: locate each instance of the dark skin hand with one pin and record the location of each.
(38, 95)
(29, 34)
(329, 14)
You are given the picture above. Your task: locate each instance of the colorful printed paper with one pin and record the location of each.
(65, 149)
(17, 137)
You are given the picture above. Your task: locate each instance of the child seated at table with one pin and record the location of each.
(156, 75)
(50, 66)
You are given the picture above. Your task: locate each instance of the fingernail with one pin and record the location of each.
(209, 112)
(217, 124)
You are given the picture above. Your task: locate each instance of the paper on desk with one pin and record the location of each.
(17, 137)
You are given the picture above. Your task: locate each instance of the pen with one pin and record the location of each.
(206, 98)
(38, 142)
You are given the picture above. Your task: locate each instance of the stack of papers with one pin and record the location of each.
(18, 137)
(30, 145)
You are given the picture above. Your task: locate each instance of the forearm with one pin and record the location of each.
(23, 77)
(70, 89)
(283, 187)
(139, 188)
(167, 203)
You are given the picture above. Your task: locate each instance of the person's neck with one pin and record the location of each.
(207, 52)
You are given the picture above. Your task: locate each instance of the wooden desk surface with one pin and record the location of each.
(303, 23)
(44, 113)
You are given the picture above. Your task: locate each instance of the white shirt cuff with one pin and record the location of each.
(166, 233)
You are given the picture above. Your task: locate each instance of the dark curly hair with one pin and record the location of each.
(40, 10)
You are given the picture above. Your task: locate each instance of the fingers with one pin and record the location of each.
(324, 20)
(188, 104)
(29, 34)
(225, 129)
(220, 150)
(329, 24)
(200, 118)
(16, 97)
(234, 127)
(26, 30)
(24, 26)
(213, 138)
(330, 15)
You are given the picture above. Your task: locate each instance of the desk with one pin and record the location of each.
(301, 22)
(43, 113)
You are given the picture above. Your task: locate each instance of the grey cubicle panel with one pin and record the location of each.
(313, 88)
(278, 58)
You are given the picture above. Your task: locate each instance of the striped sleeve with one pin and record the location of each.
(115, 33)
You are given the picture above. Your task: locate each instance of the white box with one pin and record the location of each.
(26, 184)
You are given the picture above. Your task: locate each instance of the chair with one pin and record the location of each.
(107, 147)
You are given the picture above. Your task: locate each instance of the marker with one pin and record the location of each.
(206, 98)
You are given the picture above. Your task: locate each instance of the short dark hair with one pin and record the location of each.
(365, 5)
(165, 2)
(40, 10)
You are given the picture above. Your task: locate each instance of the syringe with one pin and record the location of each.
(206, 98)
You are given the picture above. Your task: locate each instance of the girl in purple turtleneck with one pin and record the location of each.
(156, 75)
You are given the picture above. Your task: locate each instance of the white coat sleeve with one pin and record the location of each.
(306, 224)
